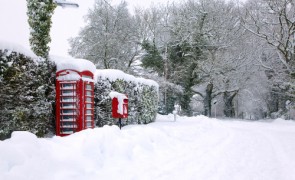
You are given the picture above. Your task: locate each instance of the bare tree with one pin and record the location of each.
(110, 38)
(274, 22)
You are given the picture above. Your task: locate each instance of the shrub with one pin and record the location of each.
(24, 94)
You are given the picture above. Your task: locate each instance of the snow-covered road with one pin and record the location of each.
(188, 149)
(227, 149)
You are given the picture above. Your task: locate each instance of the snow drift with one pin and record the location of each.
(190, 148)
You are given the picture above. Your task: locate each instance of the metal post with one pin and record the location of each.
(120, 123)
(215, 104)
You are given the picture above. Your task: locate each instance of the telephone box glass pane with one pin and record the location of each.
(68, 93)
(68, 105)
(68, 99)
(66, 117)
(88, 106)
(88, 111)
(67, 124)
(88, 93)
(88, 117)
(88, 124)
(67, 86)
(68, 111)
(88, 87)
(88, 99)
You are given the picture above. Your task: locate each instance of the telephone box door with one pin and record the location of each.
(67, 107)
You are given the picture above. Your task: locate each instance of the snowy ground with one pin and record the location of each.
(188, 149)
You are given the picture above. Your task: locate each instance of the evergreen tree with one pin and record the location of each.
(39, 18)
(184, 62)
(152, 58)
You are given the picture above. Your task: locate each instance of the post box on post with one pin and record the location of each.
(119, 106)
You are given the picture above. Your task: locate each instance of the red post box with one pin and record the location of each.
(119, 105)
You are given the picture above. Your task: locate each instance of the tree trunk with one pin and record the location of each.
(229, 109)
(208, 100)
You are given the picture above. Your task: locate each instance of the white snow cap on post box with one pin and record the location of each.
(120, 98)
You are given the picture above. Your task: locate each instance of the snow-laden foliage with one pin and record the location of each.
(24, 94)
(142, 97)
(39, 18)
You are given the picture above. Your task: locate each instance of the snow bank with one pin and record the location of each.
(188, 149)
(114, 74)
(79, 65)
(283, 121)
(12, 47)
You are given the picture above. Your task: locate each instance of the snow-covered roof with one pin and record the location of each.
(114, 74)
(13, 47)
(63, 63)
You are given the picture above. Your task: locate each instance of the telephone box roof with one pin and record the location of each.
(63, 63)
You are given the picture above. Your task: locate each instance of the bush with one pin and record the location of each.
(24, 94)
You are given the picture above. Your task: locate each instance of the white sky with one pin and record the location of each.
(66, 22)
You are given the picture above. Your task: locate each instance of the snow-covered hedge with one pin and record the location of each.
(24, 92)
(142, 97)
(27, 92)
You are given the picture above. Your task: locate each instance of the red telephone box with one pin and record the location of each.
(74, 101)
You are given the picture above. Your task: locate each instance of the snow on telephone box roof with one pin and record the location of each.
(64, 63)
